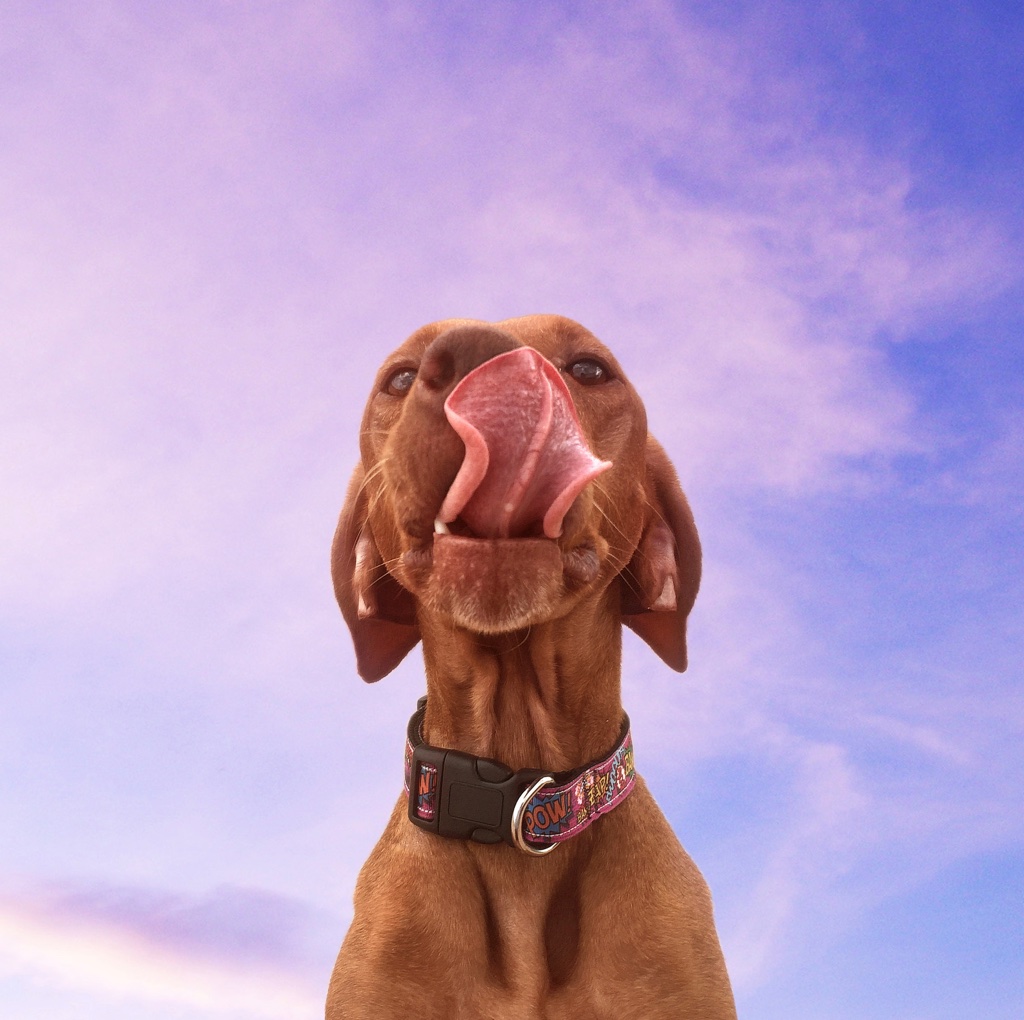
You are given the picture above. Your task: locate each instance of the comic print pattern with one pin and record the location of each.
(426, 786)
(558, 813)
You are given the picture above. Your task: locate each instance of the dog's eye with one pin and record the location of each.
(399, 383)
(589, 372)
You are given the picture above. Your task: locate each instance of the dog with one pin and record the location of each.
(512, 512)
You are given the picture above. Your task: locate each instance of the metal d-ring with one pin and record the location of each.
(518, 814)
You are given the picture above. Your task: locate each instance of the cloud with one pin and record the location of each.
(822, 838)
(217, 225)
(816, 770)
(233, 953)
(207, 274)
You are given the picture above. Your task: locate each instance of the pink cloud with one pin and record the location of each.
(215, 227)
(225, 955)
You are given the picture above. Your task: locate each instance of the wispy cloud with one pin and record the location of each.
(228, 955)
(215, 226)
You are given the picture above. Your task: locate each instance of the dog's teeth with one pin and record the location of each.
(440, 528)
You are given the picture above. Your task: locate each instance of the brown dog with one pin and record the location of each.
(512, 512)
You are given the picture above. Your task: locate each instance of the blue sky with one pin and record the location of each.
(799, 228)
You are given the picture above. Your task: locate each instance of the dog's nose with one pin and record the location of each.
(457, 351)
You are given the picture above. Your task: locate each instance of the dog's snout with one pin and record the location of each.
(457, 351)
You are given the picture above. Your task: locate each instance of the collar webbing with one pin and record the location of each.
(464, 797)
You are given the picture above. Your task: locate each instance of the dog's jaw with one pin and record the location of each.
(493, 586)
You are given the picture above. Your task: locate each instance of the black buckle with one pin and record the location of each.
(474, 798)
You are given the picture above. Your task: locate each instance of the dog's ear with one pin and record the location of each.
(661, 580)
(379, 612)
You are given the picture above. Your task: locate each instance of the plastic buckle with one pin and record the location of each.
(461, 796)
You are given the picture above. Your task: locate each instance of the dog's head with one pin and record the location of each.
(506, 476)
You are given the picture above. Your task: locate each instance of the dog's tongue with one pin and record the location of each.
(526, 458)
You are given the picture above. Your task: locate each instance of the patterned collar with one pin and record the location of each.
(464, 797)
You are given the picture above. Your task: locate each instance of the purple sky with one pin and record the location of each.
(800, 232)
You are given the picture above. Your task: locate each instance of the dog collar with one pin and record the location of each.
(461, 796)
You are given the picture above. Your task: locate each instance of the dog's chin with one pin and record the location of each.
(497, 585)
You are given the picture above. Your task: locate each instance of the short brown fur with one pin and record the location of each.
(617, 922)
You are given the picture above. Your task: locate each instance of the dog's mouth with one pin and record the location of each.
(496, 561)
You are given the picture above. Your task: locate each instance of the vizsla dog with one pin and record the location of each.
(512, 512)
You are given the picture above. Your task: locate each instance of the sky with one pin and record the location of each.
(799, 227)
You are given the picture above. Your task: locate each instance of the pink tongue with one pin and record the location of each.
(526, 458)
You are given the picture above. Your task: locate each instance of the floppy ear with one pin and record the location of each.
(661, 580)
(379, 612)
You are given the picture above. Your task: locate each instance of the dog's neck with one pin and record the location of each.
(538, 698)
